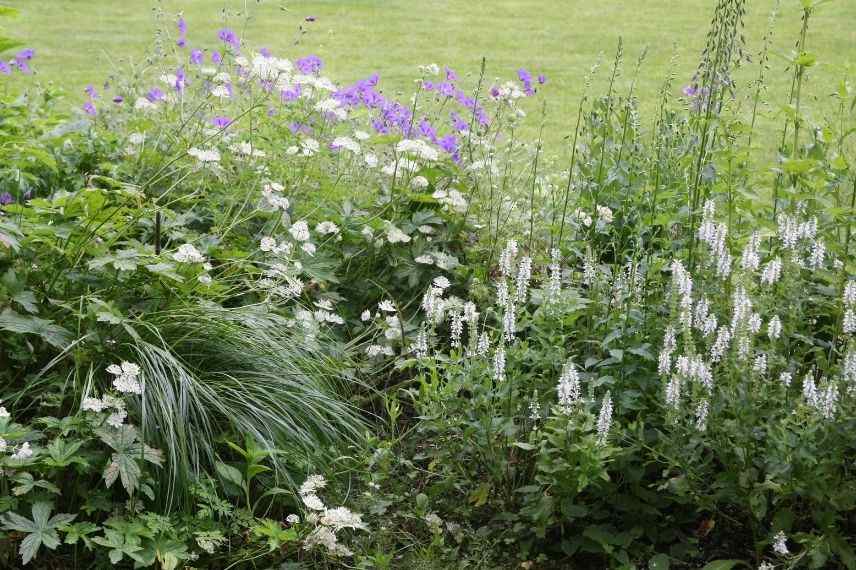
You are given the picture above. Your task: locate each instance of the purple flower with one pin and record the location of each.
(309, 18)
(310, 64)
(6, 198)
(182, 33)
(4, 68)
(265, 52)
(690, 91)
(180, 79)
(118, 99)
(458, 123)
(524, 76)
(449, 143)
(155, 94)
(196, 56)
(91, 92)
(21, 59)
(290, 94)
(216, 58)
(427, 130)
(221, 122)
(542, 79)
(451, 75)
(428, 85)
(227, 36)
(447, 89)
(297, 128)
(89, 108)
(494, 91)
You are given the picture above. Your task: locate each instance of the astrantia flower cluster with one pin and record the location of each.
(327, 521)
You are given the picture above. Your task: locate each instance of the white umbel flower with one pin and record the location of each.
(187, 253)
(126, 377)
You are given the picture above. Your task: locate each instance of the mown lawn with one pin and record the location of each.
(76, 40)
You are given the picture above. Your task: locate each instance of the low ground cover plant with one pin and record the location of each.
(254, 318)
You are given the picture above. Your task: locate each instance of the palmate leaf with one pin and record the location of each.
(42, 529)
(52, 333)
(123, 463)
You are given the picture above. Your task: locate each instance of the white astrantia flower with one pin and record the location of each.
(126, 377)
(419, 182)
(267, 243)
(309, 147)
(327, 228)
(387, 306)
(375, 350)
(117, 418)
(419, 148)
(299, 231)
(205, 156)
(604, 214)
(277, 202)
(441, 282)
(361, 135)
(780, 544)
(292, 519)
(342, 517)
(187, 253)
(308, 248)
(424, 259)
(395, 235)
(93, 405)
(24, 451)
(312, 502)
(346, 143)
(370, 160)
(366, 315)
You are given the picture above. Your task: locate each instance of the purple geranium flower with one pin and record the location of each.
(542, 79)
(182, 33)
(427, 130)
(91, 92)
(265, 52)
(227, 36)
(458, 123)
(180, 79)
(446, 89)
(290, 94)
(310, 64)
(6, 198)
(309, 18)
(221, 122)
(155, 94)
(451, 75)
(118, 99)
(4, 68)
(89, 108)
(216, 58)
(690, 91)
(21, 59)
(196, 56)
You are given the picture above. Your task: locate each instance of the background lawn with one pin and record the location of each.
(80, 41)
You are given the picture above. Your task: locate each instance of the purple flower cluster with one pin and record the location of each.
(21, 61)
(449, 90)
(6, 198)
(230, 38)
(182, 33)
(91, 96)
(389, 114)
(309, 65)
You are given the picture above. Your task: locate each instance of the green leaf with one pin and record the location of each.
(724, 564)
(52, 333)
(127, 450)
(230, 473)
(659, 562)
(41, 530)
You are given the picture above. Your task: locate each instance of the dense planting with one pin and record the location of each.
(253, 318)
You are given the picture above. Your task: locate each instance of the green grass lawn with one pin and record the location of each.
(80, 41)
